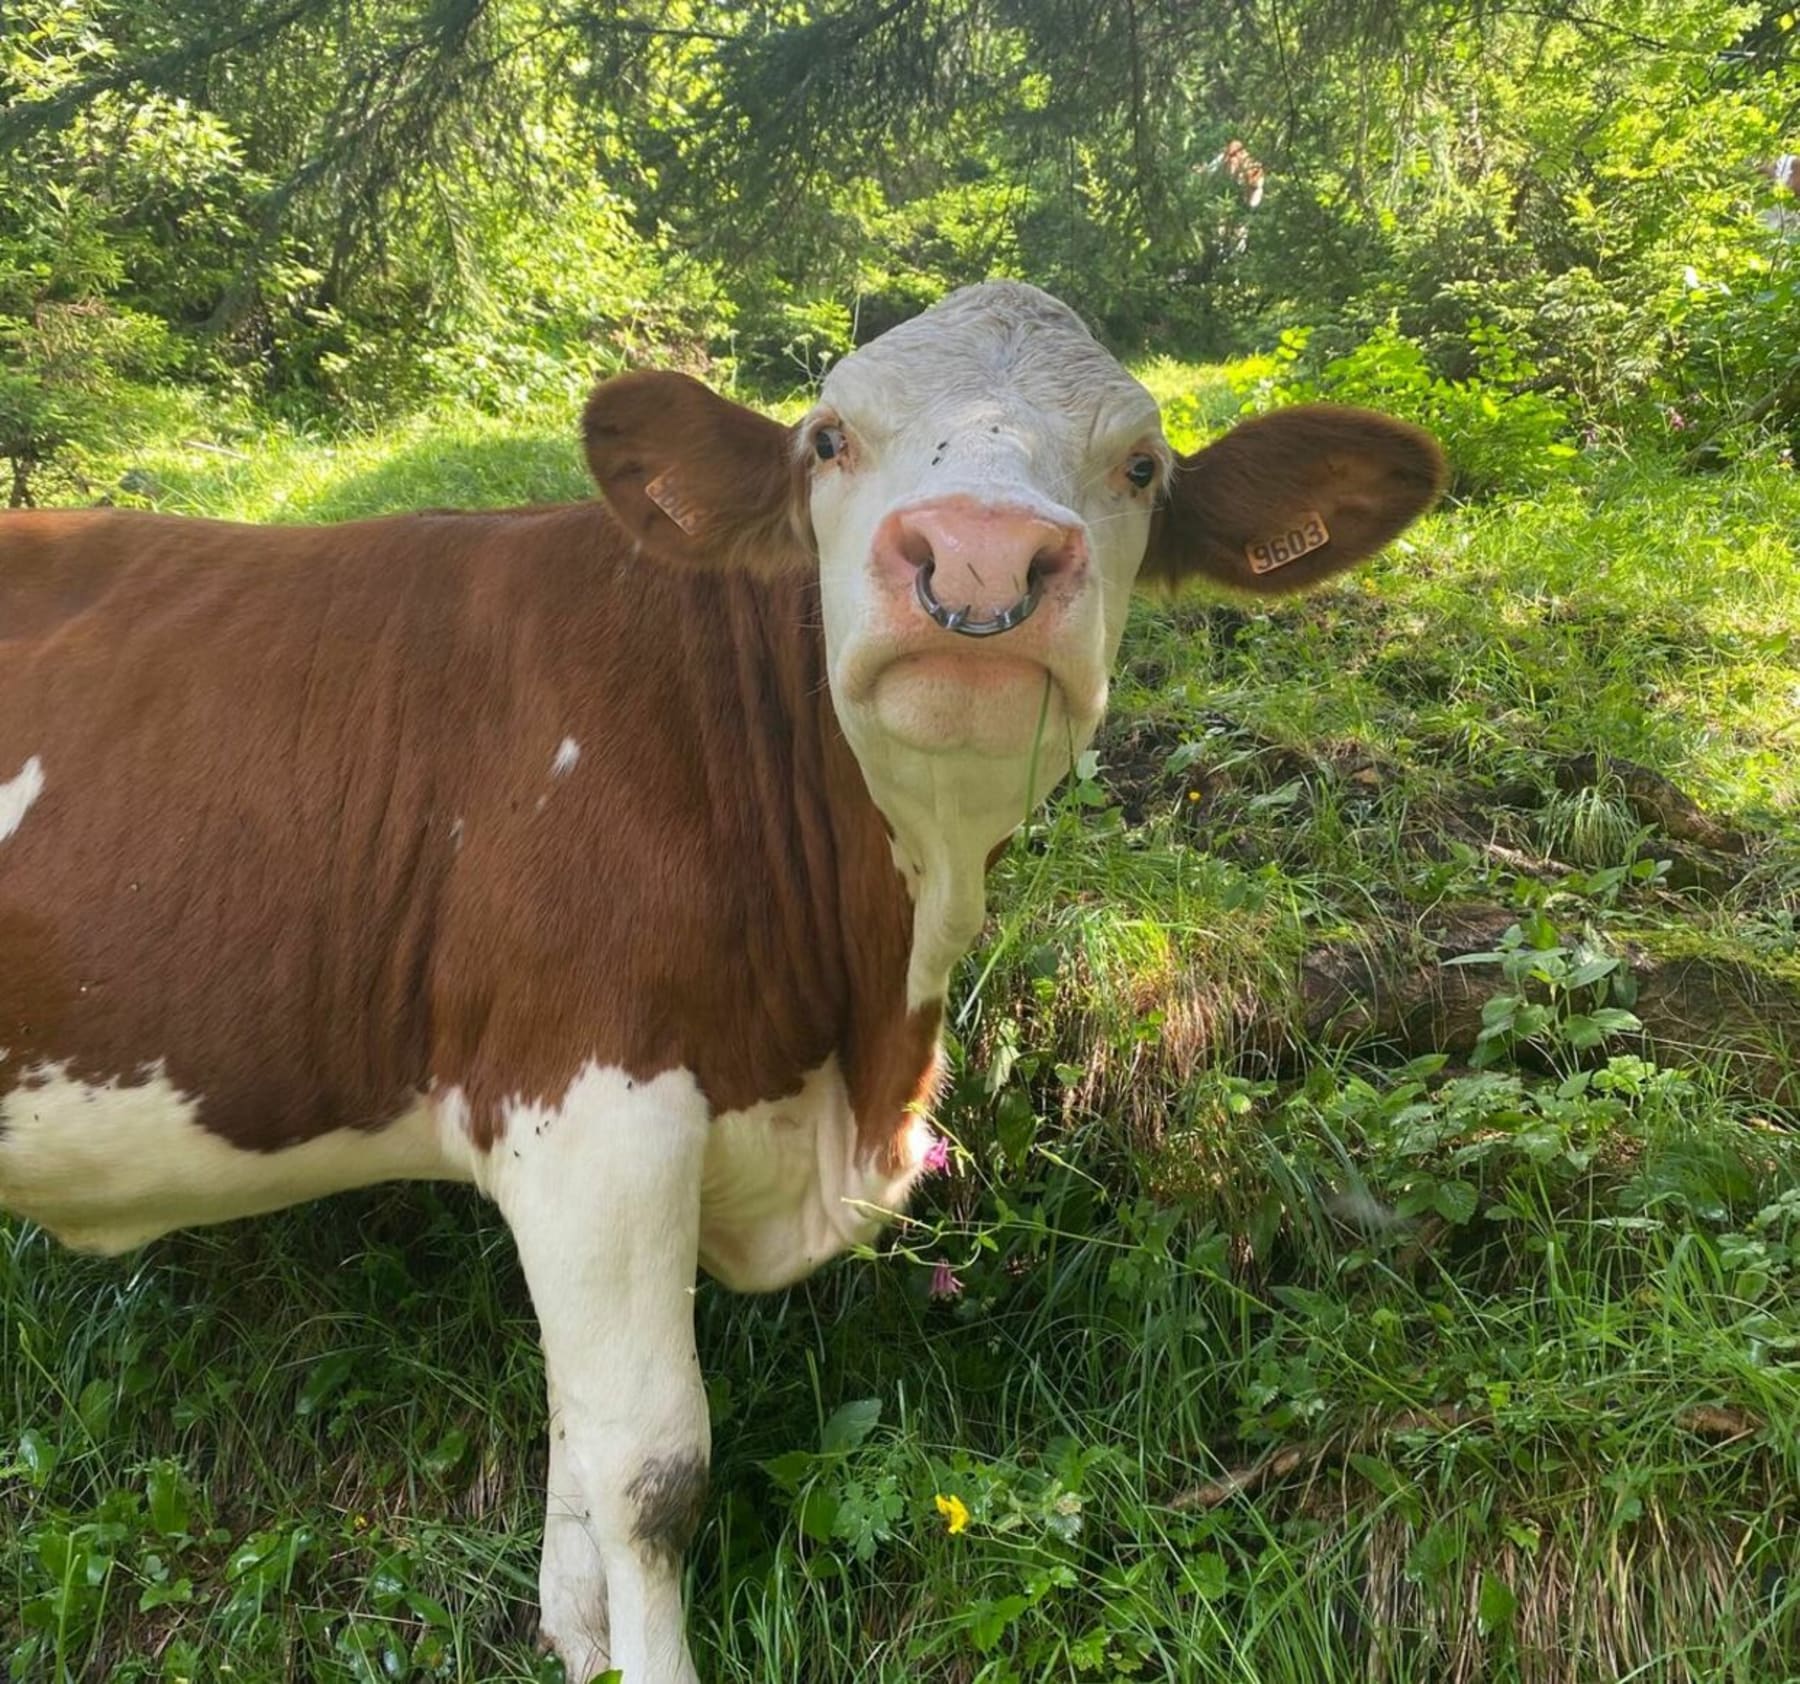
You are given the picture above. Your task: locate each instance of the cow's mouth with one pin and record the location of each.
(967, 696)
(986, 674)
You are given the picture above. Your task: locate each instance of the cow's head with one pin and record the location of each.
(979, 490)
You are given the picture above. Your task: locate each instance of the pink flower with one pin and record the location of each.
(1677, 421)
(937, 1156)
(944, 1283)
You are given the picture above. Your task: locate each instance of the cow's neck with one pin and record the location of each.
(949, 814)
(947, 818)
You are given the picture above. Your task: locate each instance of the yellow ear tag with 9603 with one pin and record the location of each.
(1305, 536)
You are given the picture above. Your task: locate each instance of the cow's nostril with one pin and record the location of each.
(916, 547)
(1052, 559)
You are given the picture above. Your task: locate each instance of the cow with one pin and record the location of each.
(612, 857)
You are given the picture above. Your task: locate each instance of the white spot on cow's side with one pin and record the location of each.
(105, 1167)
(456, 835)
(567, 753)
(17, 796)
(786, 1189)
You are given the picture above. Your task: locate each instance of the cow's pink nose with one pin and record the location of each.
(979, 569)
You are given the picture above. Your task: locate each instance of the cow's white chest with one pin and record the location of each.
(784, 1189)
(105, 1167)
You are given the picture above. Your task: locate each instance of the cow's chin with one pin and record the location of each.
(995, 707)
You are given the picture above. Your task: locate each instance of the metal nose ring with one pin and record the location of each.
(957, 619)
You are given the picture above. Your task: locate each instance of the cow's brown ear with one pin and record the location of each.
(695, 478)
(1290, 498)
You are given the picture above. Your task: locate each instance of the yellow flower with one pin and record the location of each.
(955, 1512)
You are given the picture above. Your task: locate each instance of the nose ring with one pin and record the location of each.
(957, 619)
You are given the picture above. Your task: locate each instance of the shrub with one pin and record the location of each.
(1501, 434)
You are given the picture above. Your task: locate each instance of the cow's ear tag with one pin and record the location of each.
(669, 497)
(1306, 535)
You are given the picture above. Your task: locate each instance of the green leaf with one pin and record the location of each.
(449, 1450)
(1590, 971)
(790, 1468)
(1612, 1021)
(161, 1596)
(1495, 1608)
(38, 1455)
(1382, 1475)
(96, 1404)
(1454, 1201)
(1016, 1125)
(1208, 1575)
(1580, 1031)
(1532, 1020)
(989, 1620)
(167, 1494)
(850, 1425)
(323, 1381)
(817, 1514)
(428, 1609)
(1539, 932)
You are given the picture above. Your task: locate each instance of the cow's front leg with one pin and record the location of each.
(571, 1579)
(602, 1191)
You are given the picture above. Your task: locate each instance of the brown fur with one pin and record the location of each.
(300, 838)
(667, 432)
(1368, 475)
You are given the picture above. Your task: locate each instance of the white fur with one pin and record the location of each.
(107, 1167)
(1000, 395)
(785, 1189)
(602, 1189)
(17, 795)
(571, 1575)
(568, 751)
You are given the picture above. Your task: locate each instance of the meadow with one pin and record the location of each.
(1369, 1251)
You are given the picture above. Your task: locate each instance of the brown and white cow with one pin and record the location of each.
(612, 857)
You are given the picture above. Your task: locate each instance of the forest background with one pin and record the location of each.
(336, 211)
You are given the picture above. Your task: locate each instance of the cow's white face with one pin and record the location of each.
(985, 459)
(978, 490)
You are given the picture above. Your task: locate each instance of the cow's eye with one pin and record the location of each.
(1140, 470)
(829, 443)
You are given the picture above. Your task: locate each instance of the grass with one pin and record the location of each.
(1280, 1355)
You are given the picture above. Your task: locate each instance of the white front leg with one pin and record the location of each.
(602, 1191)
(571, 1580)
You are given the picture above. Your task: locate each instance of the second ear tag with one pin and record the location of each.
(1276, 552)
(668, 497)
